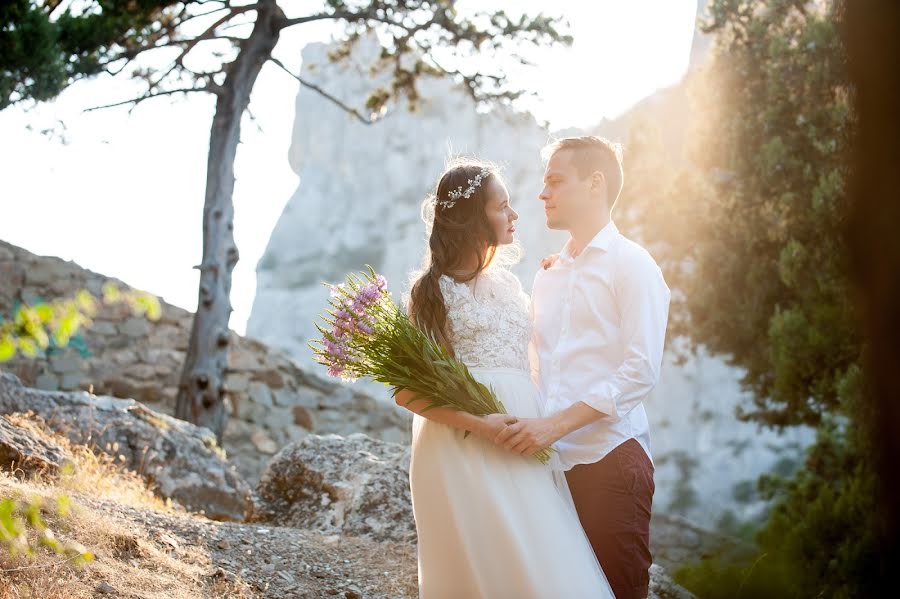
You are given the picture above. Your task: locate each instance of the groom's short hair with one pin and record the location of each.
(591, 153)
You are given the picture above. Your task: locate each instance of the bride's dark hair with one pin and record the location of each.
(458, 233)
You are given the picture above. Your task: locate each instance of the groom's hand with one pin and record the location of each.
(529, 435)
(549, 261)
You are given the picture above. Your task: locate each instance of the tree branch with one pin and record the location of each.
(347, 16)
(207, 35)
(138, 100)
(128, 56)
(324, 94)
(210, 32)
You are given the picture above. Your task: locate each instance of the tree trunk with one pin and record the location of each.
(201, 390)
(872, 38)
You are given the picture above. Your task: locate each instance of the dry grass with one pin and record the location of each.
(148, 548)
(126, 557)
(94, 473)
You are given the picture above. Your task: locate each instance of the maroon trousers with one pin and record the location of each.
(613, 499)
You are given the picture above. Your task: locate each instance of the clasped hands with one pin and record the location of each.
(523, 436)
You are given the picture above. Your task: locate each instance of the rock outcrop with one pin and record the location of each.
(23, 451)
(352, 485)
(179, 459)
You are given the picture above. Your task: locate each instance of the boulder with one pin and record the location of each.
(180, 460)
(663, 587)
(351, 485)
(25, 450)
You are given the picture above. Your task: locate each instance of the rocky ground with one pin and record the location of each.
(330, 516)
(153, 554)
(176, 554)
(145, 547)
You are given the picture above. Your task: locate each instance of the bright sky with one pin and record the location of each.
(124, 196)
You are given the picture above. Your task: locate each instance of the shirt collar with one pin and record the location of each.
(601, 241)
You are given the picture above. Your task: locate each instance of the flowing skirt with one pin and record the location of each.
(492, 524)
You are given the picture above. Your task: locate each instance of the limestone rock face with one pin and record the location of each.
(352, 485)
(362, 186)
(179, 458)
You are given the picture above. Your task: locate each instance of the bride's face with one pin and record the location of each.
(499, 212)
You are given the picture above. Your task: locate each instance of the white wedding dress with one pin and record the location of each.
(492, 524)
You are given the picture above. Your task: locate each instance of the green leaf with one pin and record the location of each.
(7, 348)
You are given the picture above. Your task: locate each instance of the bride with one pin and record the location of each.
(490, 523)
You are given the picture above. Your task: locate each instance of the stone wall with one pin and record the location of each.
(271, 401)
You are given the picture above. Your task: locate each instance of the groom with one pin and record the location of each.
(600, 312)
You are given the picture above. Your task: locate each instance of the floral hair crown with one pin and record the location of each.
(458, 193)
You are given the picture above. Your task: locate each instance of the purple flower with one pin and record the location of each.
(342, 327)
(335, 350)
(358, 307)
(371, 294)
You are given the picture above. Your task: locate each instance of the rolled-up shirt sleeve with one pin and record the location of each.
(642, 297)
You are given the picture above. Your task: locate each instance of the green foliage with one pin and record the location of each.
(50, 325)
(45, 45)
(769, 225)
(42, 52)
(24, 529)
(819, 540)
(751, 232)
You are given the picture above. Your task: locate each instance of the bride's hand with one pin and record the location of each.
(549, 261)
(492, 424)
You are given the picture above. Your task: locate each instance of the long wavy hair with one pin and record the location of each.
(457, 234)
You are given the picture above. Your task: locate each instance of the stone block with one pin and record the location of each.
(270, 377)
(71, 381)
(278, 418)
(242, 360)
(144, 372)
(41, 273)
(260, 393)
(237, 383)
(263, 442)
(46, 381)
(303, 417)
(135, 327)
(102, 327)
(66, 363)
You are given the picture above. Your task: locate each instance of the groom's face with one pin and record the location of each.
(566, 196)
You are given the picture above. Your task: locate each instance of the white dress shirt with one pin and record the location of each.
(599, 324)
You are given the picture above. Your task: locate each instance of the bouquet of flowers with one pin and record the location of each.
(365, 334)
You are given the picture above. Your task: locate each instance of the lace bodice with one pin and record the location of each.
(490, 327)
